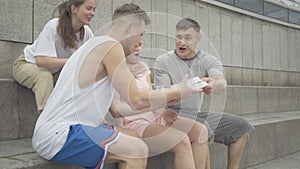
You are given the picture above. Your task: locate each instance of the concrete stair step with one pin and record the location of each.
(242, 100)
(17, 154)
(275, 136)
(10, 51)
(18, 111)
(291, 161)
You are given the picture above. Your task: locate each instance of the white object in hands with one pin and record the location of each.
(196, 83)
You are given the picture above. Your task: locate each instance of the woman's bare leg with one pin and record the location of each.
(161, 138)
(207, 157)
(198, 135)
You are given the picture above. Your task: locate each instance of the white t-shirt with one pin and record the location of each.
(49, 43)
(69, 105)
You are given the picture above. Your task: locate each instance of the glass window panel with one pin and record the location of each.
(294, 17)
(250, 5)
(275, 11)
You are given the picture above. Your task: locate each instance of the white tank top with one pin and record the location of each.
(68, 104)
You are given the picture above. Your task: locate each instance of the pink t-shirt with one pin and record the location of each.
(138, 123)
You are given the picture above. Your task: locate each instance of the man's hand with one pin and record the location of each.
(216, 84)
(208, 89)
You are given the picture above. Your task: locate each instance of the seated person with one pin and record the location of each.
(183, 136)
(229, 129)
(39, 65)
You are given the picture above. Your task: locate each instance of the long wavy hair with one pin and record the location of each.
(64, 27)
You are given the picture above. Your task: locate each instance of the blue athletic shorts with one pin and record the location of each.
(87, 146)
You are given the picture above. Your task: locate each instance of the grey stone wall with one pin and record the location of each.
(16, 20)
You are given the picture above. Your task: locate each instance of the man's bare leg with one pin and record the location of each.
(235, 152)
(130, 152)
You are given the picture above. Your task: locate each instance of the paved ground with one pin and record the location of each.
(291, 161)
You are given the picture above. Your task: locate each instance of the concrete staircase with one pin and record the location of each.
(256, 51)
(274, 111)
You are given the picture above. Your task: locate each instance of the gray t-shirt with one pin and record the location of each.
(170, 69)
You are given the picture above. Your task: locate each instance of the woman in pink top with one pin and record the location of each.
(162, 129)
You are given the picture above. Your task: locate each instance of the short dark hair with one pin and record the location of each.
(187, 23)
(131, 9)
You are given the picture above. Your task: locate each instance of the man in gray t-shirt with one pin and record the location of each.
(170, 68)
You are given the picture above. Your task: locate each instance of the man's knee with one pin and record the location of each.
(245, 137)
(138, 149)
(231, 129)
